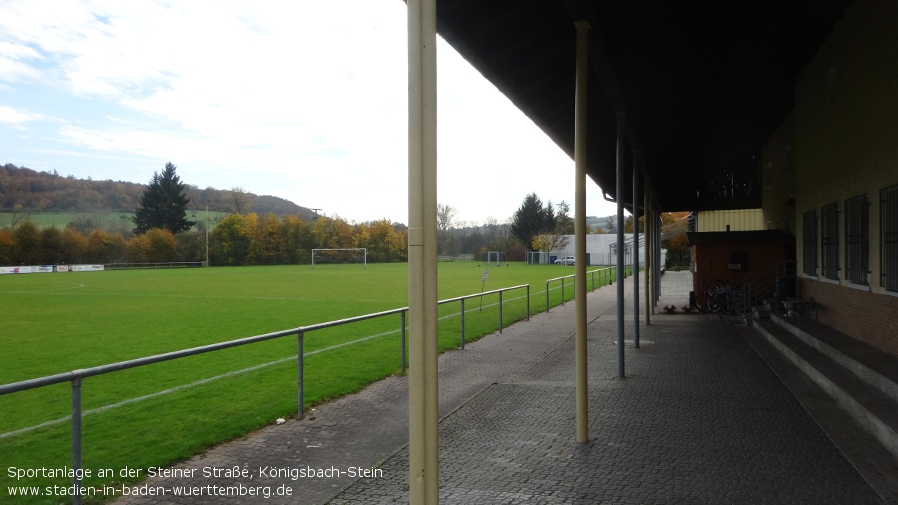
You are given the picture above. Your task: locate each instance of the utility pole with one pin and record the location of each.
(207, 232)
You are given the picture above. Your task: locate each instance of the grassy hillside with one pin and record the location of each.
(32, 191)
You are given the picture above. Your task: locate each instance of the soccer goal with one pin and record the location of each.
(537, 257)
(494, 258)
(340, 256)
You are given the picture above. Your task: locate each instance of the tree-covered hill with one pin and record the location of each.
(25, 189)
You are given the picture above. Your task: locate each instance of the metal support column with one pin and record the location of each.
(648, 253)
(620, 245)
(580, 143)
(300, 375)
(635, 251)
(76, 436)
(422, 258)
(657, 283)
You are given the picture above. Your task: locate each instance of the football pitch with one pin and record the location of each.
(157, 414)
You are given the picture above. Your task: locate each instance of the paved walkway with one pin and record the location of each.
(700, 418)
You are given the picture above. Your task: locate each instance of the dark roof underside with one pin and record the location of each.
(702, 85)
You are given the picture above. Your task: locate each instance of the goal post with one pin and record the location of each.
(538, 257)
(340, 256)
(494, 258)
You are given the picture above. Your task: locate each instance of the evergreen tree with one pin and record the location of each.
(163, 204)
(531, 219)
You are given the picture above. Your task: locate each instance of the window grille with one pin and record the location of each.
(857, 239)
(809, 236)
(888, 198)
(829, 228)
(787, 159)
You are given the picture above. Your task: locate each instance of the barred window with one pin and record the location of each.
(888, 198)
(829, 240)
(857, 239)
(809, 236)
(787, 159)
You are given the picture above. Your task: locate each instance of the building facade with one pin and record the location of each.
(830, 175)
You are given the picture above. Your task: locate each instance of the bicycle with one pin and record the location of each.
(736, 301)
(722, 298)
(712, 299)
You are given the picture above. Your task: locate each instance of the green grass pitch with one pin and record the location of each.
(157, 414)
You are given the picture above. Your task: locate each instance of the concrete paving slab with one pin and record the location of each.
(699, 419)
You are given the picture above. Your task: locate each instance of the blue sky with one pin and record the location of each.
(304, 100)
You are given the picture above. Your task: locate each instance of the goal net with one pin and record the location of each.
(538, 258)
(340, 256)
(494, 258)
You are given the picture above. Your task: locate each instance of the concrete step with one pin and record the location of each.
(870, 364)
(762, 310)
(873, 408)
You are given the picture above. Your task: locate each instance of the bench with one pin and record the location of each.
(800, 308)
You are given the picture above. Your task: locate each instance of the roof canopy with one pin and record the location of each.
(701, 85)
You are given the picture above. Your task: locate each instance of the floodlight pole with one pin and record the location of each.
(207, 232)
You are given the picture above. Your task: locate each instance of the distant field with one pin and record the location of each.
(109, 219)
(54, 323)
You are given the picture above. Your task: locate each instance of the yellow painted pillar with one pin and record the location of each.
(422, 254)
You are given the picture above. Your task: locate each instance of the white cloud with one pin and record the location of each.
(17, 117)
(305, 100)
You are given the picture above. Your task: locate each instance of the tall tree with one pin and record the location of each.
(239, 201)
(564, 222)
(531, 219)
(447, 236)
(445, 216)
(611, 225)
(163, 204)
(27, 239)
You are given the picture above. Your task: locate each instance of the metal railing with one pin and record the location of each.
(462, 299)
(757, 291)
(76, 377)
(605, 278)
(762, 285)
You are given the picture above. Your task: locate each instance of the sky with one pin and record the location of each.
(304, 100)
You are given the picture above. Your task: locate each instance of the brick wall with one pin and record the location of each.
(869, 317)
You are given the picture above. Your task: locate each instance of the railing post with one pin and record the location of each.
(500, 311)
(547, 296)
(562, 291)
(300, 400)
(462, 323)
(402, 339)
(76, 435)
(528, 302)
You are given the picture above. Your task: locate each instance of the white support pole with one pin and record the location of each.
(422, 253)
(580, 142)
